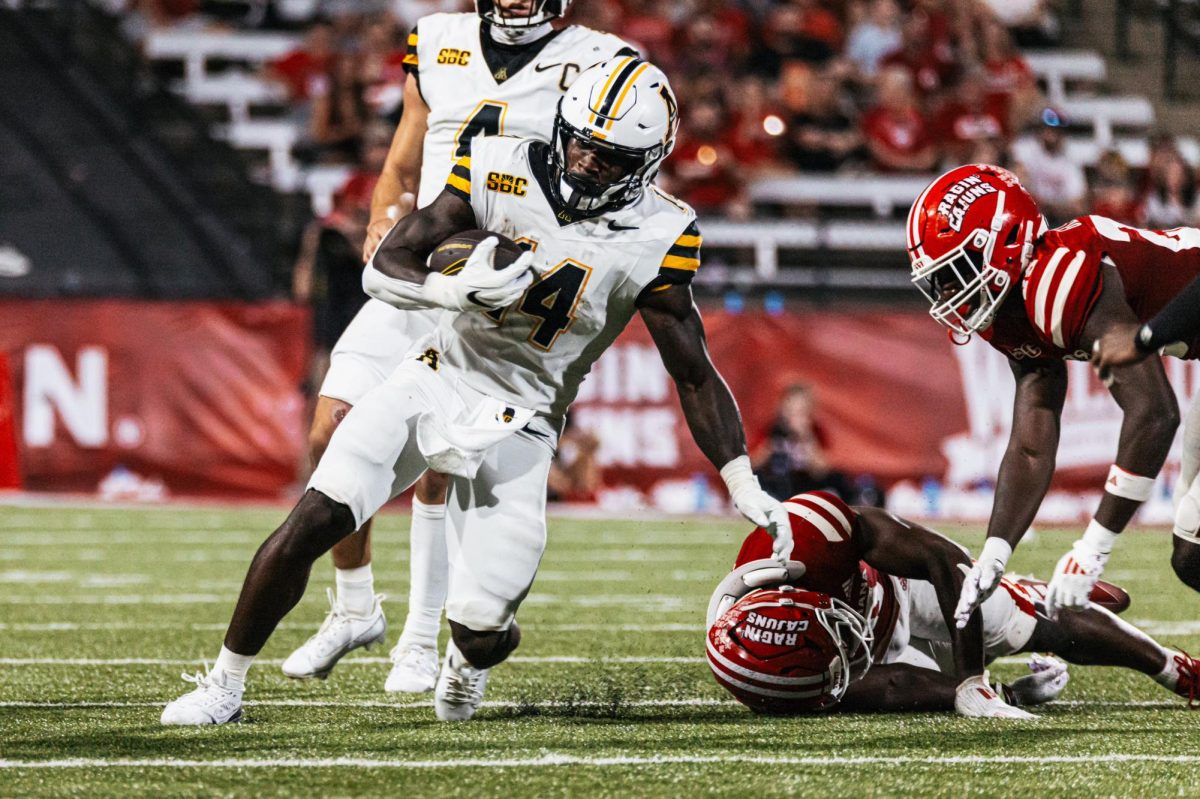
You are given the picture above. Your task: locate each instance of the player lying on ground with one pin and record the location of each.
(874, 595)
(484, 396)
(500, 70)
(982, 254)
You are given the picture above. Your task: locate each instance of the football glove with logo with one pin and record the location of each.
(758, 506)
(974, 698)
(1074, 578)
(480, 286)
(1048, 679)
(982, 579)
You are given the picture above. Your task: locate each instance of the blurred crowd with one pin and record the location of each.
(766, 87)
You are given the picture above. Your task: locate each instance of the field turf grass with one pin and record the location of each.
(101, 609)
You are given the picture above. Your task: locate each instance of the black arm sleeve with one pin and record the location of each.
(1178, 321)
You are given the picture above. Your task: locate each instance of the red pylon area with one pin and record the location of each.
(10, 469)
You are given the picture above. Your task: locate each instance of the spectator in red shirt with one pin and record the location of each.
(931, 68)
(1112, 189)
(896, 133)
(968, 118)
(651, 30)
(703, 169)
(1011, 83)
(381, 70)
(297, 69)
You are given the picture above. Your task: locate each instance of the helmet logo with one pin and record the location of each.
(959, 198)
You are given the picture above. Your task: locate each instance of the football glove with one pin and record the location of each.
(479, 286)
(974, 698)
(759, 507)
(1048, 679)
(982, 579)
(1074, 578)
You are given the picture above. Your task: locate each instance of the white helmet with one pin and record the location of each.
(540, 11)
(625, 109)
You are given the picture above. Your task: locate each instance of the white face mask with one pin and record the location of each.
(519, 36)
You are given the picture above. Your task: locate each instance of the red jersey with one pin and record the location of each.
(1063, 280)
(823, 531)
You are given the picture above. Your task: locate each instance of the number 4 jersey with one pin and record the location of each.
(1064, 277)
(474, 86)
(590, 273)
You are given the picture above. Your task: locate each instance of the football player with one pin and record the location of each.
(484, 395)
(982, 254)
(498, 71)
(908, 653)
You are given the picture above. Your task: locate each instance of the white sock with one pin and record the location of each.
(234, 667)
(1169, 677)
(429, 572)
(356, 590)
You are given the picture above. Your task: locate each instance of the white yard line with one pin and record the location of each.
(499, 703)
(557, 759)
(654, 602)
(69, 626)
(350, 661)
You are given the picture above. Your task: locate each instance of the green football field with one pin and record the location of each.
(609, 695)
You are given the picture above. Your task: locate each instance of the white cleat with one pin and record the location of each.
(459, 688)
(212, 702)
(414, 669)
(339, 635)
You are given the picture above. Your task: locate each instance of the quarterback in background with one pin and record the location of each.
(499, 71)
(862, 617)
(483, 397)
(983, 256)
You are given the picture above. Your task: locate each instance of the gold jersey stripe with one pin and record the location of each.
(411, 58)
(465, 187)
(676, 262)
(688, 241)
(412, 39)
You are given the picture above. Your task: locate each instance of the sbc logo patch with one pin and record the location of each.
(507, 184)
(453, 56)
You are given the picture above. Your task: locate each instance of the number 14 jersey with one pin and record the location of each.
(590, 273)
(475, 87)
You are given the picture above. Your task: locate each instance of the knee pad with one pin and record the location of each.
(485, 649)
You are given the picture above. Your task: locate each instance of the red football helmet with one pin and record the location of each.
(784, 650)
(970, 234)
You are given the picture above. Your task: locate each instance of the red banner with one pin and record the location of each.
(887, 388)
(204, 397)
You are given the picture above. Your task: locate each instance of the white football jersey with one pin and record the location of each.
(591, 272)
(469, 93)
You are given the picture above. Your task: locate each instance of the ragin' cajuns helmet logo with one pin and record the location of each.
(960, 197)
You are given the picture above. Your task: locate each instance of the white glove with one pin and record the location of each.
(1048, 679)
(1076, 574)
(479, 286)
(974, 698)
(759, 507)
(982, 579)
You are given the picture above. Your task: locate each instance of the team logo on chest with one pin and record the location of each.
(452, 56)
(507, 184)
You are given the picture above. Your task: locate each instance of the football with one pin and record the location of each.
(450, 256)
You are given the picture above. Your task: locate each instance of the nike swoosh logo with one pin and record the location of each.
(471, 298)
(613, 226)
(544, 67)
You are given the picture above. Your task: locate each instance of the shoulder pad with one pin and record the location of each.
(1062, 282)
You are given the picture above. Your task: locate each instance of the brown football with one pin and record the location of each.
(450, 256)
